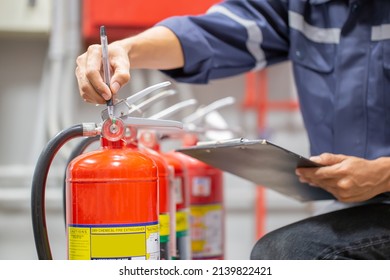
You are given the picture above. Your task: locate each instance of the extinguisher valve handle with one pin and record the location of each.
(145, 123)
(126, 106)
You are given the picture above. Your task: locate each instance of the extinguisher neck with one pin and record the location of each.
(149, 139)
(132, 145)
(157, 148)
(189, 140)
(105, 143)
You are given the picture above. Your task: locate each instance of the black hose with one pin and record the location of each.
(78, 150)
(39, 185)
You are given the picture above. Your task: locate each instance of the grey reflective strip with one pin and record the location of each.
(315, 34)
(380, 32)
(255, 36)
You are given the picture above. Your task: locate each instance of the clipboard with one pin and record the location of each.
(260, 162)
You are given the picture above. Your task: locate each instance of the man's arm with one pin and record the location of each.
(155, 48)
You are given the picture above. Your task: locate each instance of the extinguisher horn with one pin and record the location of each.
(168, 112)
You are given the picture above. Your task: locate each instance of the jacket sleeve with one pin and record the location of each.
(231, 38)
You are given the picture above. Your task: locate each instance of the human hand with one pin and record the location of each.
(348, 178)
(89, 72)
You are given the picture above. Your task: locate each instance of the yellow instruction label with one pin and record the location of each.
(206, 230)
(182, 221)
(164, 224)
(88, 242)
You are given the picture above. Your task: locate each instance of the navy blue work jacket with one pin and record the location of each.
(340, 52)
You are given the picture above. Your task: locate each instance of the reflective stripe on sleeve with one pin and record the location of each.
(313, 33)
(380, 32)
(255, 36)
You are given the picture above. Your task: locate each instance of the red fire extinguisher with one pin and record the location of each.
(164, 192)
(126, 227)
(111, 201)
(207, 218)
(179, 203)
(167, 239)
(149, 143)
(203, 188)
(180, 184)
(111, 196)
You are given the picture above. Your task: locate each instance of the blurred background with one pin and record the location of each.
(40, 41)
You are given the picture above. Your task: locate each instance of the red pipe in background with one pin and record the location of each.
(256, 98)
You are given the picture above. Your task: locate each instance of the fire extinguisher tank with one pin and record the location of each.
(112, 205)
(206, 208)
(183, 241)
(164, 204)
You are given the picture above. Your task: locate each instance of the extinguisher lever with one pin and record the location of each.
(150, 123)
(123, 107)
(144, 105)
(168, 112)
(201, 112)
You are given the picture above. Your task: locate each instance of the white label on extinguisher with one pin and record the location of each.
(207, 230)
(153, 245)
(201, 186)
(178, 190)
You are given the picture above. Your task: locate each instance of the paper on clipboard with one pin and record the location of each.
(262, 163)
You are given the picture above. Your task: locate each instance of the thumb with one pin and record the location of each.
(328, 158)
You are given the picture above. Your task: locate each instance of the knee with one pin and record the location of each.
(270, 247)
(284, 244)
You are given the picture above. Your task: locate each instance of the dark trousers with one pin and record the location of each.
(361, 232)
